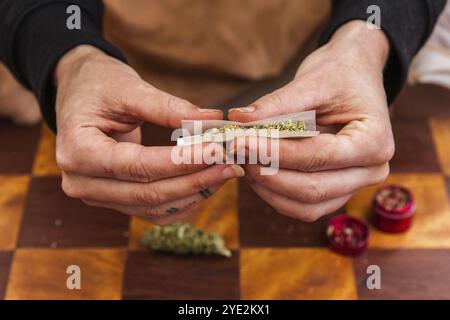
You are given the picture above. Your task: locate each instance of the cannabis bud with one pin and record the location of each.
(289, 125)
(182, 238)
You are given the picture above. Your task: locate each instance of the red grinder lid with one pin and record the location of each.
(347, 235)
(394, 200)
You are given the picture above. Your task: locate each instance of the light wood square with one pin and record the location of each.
(431, 224)
(294, 273)
(45, 161)
(441, 136)
(41, 274)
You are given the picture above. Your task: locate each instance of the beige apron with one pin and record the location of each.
(209, 50)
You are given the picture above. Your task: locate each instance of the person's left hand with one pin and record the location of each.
(343, 82)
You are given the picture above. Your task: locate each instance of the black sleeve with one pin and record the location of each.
(34, 36)
(407, 23)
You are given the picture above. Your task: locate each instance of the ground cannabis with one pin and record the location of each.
(182, 238)
(289, 125)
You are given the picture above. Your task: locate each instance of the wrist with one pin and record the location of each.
(73, 59)
(356, 38)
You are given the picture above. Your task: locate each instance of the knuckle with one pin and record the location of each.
(390, 150)
(152, 212)
(385, 151)
(386, 171)
(275, 99)
(383, 175)
(69, 188)
(307, 165)
(148, 196)
(64, 160)
(184, 167)
(173, 102)
(127, 169)
(385, 155)
(314, 162)
(139, 170)
(317, 160)
(70, 151)
(313, 193)
(272, 99)
(176, 105)
(200, 183)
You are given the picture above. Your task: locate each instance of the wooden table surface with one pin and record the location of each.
(42, 231)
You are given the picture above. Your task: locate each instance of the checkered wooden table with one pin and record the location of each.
(274, 257)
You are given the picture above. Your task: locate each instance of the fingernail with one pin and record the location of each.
(244, 109)
(233, 171)
(203, 110)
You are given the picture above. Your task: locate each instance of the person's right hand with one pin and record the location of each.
(101, 103)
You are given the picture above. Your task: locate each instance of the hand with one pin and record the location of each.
(16, 102)
(343, 82)
(101, 102)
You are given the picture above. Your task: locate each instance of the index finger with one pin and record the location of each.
(153, 105)
(329, 152)
(95, 154)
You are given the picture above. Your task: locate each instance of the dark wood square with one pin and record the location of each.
(5, 264)
(261, 226)
(151, 275)
(53, 219)
(18, 146)
(414, 147)
(405, 274)
(421, 101)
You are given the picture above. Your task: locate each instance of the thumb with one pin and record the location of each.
(282, 101)
(153, 105)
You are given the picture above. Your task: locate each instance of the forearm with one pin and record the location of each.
(406, 23)
(72, 60)
(34, 36)
(355, 38)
